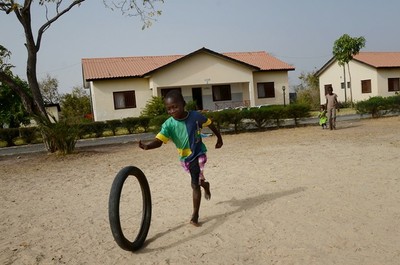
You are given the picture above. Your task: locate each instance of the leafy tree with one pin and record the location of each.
(49, 89)
(344, 49)
(12, 112)
(33, 100)
(308, 90)
(75, 105)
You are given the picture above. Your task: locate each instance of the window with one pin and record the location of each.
(342, 85)
(164, 91)
(124, 100)
(221, 92)
(327, 88)
(394, 84)
(266, 90)
(366, 86)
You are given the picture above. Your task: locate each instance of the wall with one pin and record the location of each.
(280, 79)
(103, 101)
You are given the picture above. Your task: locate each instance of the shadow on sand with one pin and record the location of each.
(219, 219)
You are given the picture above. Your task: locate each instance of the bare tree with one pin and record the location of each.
(33, 99)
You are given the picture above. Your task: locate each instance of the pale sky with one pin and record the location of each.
(298, 32)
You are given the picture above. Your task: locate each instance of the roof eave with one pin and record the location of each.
(197, 52)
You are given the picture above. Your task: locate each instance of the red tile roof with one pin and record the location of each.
(379, 59)
(120, 67)
(260, 59)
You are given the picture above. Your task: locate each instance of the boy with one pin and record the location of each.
(184, 129)
(331, 105)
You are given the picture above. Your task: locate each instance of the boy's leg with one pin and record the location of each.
(194, 170)
(196, 204)
(205, 184)
(206, 187)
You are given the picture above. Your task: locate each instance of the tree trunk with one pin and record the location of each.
(351, 91)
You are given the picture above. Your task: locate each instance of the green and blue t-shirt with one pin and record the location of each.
(186, 135)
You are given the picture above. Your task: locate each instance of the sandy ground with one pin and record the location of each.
(288, 196)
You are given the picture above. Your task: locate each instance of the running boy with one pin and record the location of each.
(184, 129)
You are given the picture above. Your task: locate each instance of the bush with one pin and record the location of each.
(261, 117)
(130, 124)
(191, 105)
(156, 122)
(297, 111)
(60, 136)
(144, 123)
(277, 113)
(154, 107)
(376, 106)
(113, 125)
(29, 134)
(8, 135)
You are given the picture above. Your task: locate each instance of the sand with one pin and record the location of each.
(288, 196)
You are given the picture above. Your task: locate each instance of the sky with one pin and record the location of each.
(298, 32)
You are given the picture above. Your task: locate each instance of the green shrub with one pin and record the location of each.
(394, 103)
(60, 136)
(277, 113)
(8, 135)
(144, 123)
(297, 111)
(156, 122)
(191, 105)
(29, 134)
(231, 117)
(154, 107)
(130, 124)
(261, 117)
(113, 125)
(376, 106)
(97, 128)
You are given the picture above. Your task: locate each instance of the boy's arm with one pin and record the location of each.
(155, 143)
(218, 134)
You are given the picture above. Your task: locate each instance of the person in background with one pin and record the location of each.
(331, 105)
(322, 117)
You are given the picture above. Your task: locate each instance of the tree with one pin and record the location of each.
(33, 100)
(12, 112)
(75, 105)
(49, 89)
(344, 49)
(308, 90)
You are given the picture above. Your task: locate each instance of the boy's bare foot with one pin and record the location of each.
(196, 224)
(207, 193)
(195, 221)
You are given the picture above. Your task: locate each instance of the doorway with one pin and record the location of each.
(197, 96)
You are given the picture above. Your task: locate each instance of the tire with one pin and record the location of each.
(114, 209)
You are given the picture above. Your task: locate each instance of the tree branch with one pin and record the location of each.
(46, 25)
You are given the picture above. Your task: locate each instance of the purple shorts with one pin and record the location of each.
(196, 168)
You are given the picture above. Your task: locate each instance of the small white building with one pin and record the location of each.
(121, 87)
(372, 74)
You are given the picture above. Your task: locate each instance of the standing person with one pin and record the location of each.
(184, 129)
(322, 117)
(331, 105)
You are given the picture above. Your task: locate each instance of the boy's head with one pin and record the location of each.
(175, 104)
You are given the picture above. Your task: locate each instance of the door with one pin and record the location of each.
(197, 96)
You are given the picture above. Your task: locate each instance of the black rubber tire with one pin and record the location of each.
(113, 208)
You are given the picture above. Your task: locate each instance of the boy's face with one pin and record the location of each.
(175, 108)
